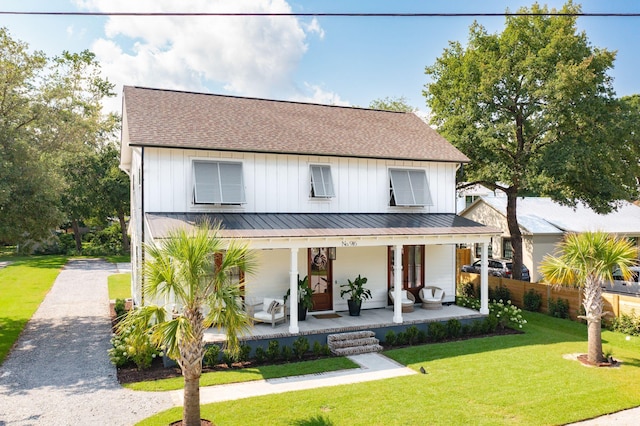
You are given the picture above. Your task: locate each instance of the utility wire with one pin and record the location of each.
(321, 14)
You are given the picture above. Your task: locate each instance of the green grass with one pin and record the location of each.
(250, 374)
(23, 286)
(124, 258)
(504, 380)
(119, 286)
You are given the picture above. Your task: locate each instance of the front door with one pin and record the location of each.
(320, 279)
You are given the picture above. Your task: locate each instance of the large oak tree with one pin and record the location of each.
(534, 110)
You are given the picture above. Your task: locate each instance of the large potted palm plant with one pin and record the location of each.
(305, 298)
(357, 293)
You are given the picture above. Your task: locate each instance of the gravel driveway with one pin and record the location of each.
(59, 372)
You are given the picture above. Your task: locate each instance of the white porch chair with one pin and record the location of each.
(270, 310)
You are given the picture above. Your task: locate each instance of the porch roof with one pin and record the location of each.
(325, 226)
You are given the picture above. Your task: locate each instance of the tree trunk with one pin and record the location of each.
(191, 409)
(593, 308)
(191, 353)
(76, 235)
(123, 230)
(514, 231)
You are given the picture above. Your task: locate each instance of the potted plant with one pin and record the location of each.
(357, 293)
(305, 298)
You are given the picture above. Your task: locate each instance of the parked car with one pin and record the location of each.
(498, 268)
(635, 273)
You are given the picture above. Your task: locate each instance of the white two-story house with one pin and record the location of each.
(321, 191)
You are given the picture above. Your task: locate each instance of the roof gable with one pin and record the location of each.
(171, 119)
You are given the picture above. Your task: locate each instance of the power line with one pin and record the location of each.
(322, 14)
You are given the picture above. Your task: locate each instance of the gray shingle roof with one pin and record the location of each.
(164, 118)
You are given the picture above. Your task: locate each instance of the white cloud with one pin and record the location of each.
(317, 95)
(250, 56)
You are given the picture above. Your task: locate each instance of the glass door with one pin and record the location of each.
(320, 279)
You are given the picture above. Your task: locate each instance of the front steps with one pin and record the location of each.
(357, 342)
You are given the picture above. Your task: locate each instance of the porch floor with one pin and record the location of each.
(369, 319)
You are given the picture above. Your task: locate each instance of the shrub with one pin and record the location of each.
(466, 330)
(490, 324)
(506, 314)
(300, 347)
(627, 324)
(317, 349)
(402, 339)
(500, 293)
(287, 353)
(273, 351)
(412, 335)
(476, 327)
(467, 290)
(422, 336)
(211, 354)
(129, 346)
(261, 355)
(104, 242)
(326, 351)
(454, 328)
(437, 331)
(228, 358)
(390, 338)
(244, 352)
(559, 308)
(119, 308)
(468, 302)
(532, 300)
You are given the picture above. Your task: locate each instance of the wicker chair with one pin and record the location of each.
(407, 300)
(431, 297)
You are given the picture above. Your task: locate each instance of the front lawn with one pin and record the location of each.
(23, 286)
(119, 286)
(250, 374)
(511, 379)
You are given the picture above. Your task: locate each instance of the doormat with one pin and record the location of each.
(326, 316)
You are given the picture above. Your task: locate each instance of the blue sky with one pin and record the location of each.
(341, 60)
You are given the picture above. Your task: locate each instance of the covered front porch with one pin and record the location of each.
(380, 321)
(374, 245)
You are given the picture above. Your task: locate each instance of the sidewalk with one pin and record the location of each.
(373, 366)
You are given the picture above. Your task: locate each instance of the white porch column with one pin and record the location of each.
(293, 287)
(484, 280)
(397, 284)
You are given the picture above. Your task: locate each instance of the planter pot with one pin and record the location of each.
(302, 313)
(354, 307)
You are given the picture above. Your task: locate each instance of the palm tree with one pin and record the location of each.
(587, 260)
(194, 268)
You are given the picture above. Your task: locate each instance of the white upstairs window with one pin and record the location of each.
(409, 188)
(321, 183)
(218, 183)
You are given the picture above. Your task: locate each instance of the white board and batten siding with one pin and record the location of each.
(279, 183)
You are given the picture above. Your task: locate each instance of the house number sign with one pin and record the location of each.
(349, 243)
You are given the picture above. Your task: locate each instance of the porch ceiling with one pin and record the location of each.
(379, 227)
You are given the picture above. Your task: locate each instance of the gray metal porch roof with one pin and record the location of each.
(288, 225)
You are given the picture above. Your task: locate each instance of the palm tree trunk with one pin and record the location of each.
(191, 353)
(593, 308)
(191, 409)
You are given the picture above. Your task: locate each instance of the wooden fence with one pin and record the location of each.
(617, 304)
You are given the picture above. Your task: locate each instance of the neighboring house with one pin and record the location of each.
(544, 222)
(325, 191)
(467, 196)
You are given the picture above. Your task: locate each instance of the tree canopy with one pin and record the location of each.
(50, 118)
(399, 104)
(534, 110)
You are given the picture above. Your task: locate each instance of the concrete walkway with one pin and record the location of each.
(59, 372)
